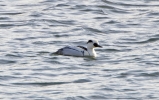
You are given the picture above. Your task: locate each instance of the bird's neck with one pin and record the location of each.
(91, 51)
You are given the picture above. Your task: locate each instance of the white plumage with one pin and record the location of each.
(80, 50)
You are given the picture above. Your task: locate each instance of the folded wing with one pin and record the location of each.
(70, 51)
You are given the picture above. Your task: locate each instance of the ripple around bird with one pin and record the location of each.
(125, 68)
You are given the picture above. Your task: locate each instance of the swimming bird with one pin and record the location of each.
(80, 50)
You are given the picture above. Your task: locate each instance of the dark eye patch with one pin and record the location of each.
(95, 44)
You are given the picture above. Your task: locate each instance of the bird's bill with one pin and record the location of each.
(99, 46)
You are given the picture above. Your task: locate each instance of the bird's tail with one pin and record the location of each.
(59, 52)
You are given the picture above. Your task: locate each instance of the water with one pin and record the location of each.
(126, 67)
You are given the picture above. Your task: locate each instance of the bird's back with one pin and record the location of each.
(70, 51)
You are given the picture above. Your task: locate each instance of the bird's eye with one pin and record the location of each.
(95, 44)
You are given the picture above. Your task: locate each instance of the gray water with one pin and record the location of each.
(126, 68)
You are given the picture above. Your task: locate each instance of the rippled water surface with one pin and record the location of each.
(127, 67)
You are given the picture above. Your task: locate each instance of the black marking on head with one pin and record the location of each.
(89, 41)
(95, 44)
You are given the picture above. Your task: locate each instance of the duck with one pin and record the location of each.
(80, 51)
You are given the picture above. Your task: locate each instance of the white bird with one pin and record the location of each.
(80, 50)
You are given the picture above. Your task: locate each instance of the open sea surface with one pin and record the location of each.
(126, 68)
